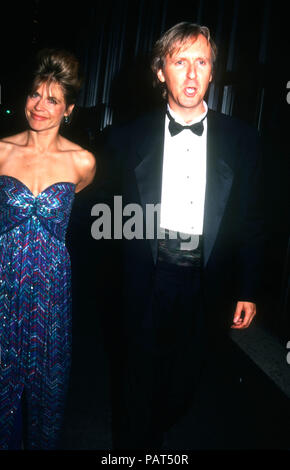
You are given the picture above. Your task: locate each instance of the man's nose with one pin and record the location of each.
(191, 72)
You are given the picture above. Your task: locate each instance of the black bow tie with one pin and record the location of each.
(174, 127)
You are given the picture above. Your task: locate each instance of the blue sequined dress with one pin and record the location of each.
(35, 308)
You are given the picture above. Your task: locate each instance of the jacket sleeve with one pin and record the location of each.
(251, 232)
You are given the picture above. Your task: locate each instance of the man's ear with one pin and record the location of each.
(160, 75)
(211, 73)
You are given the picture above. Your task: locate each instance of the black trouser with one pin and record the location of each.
(160, 373)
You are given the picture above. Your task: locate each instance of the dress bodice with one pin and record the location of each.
(51, 207)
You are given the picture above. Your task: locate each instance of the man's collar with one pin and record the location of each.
(179, 119)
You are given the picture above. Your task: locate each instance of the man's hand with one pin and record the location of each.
(244, 314)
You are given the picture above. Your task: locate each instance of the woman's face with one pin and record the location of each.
(46, 107)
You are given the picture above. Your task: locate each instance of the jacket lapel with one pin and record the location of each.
(149, 171)
(218, 182)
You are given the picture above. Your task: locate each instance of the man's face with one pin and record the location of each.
(187, 74)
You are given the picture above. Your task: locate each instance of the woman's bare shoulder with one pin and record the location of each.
(68, 145)
(86, 163)
(81, 156)
(16, 139)
(8, 144)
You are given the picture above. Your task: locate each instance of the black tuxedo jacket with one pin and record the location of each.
(233, 217)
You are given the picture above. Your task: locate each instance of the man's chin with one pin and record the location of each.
(189, 107)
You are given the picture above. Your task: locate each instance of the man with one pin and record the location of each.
(180, 284)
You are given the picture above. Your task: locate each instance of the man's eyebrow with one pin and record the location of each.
(179, 55)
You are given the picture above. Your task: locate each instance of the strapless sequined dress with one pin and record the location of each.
(35, 308)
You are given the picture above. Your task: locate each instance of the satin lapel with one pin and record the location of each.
(149, 172)
(218, 183)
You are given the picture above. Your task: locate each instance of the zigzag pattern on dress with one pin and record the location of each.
(35, 308)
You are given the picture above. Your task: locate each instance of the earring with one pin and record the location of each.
(66, 119)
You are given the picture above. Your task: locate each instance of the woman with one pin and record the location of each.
(40, 171)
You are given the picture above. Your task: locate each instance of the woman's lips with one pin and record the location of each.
(36, 117)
